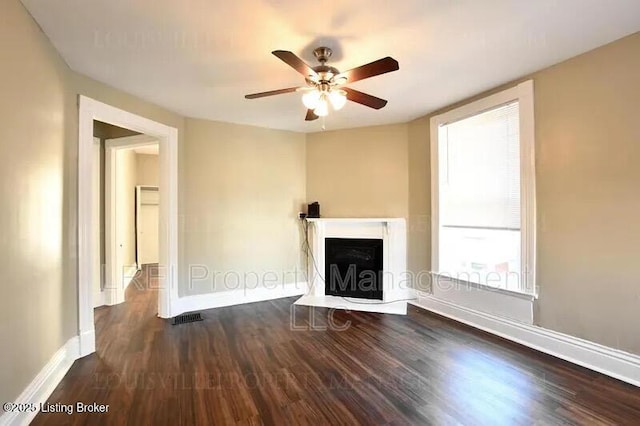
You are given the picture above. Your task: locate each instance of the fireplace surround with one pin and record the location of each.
(377, 249)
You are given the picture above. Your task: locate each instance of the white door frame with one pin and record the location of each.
(90, 110)
(139, 189)
(113, 276)
(98, 271)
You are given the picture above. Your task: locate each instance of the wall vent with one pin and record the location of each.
(185, 318)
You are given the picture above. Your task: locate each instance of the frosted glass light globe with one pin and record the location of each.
(322, 108)
(311, 99)
(338, 99)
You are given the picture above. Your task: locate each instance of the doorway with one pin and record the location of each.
(130, 162)
(126, 223)
(166, 137)
(147, 217)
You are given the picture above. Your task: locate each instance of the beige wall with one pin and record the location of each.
(105, 131)
(38, 193)
(588, 194)
(419, 225)
(243, 189)
(588, 189)
(359, 172)
(148, 170)
(260, 187)
(33, 246)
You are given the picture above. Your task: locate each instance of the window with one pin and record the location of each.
(483, 194)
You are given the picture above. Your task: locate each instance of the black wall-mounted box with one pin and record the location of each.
(313, 210)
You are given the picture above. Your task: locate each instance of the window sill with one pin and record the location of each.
(514, 293)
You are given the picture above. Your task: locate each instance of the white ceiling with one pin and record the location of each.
(200, 57)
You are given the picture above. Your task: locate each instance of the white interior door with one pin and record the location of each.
(148, 222)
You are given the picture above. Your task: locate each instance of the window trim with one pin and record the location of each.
(523, 93)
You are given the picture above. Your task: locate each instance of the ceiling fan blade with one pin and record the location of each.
(271, 93)
(296, 63)
(311, 115)
(381, 66)
(364, 99)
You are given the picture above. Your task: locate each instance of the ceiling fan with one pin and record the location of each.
(325, 83)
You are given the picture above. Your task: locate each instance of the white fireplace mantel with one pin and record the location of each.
(344, 220)
(393, 233)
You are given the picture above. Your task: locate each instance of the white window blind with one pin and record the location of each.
(479, 197)
(480, 170)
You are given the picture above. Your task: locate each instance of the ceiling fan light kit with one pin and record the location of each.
(324, 83)
(319, 101)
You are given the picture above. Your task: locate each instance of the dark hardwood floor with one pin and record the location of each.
(254, 364)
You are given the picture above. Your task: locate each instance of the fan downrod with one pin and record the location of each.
(322, 54)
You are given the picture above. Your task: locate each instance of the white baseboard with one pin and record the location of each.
(41, 387)
(611, 362)
(87, 342)
(237, 297)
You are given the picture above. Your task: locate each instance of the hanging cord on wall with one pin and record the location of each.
(306, 249)
(308, 252)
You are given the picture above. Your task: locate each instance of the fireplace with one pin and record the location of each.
(371, 250)
(353, 267)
